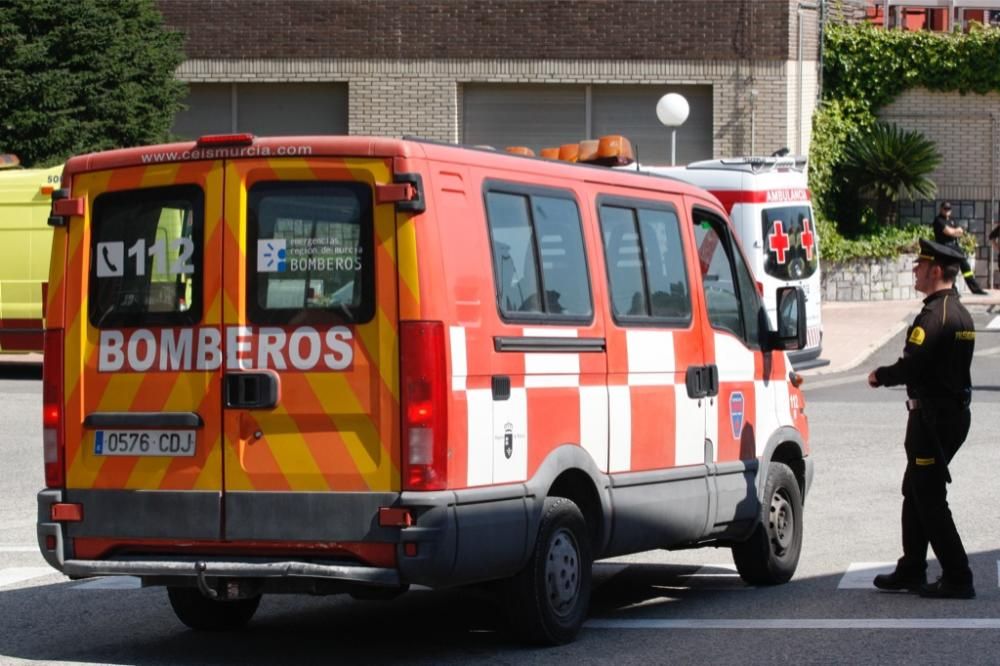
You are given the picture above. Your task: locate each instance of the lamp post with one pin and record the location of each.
(672, 110)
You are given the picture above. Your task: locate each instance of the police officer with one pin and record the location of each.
(935, 368)
(947, 232)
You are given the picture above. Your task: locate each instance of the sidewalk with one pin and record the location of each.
(853, 331)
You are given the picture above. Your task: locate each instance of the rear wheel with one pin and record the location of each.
(770, 555)
(199, 612)
(547, 602)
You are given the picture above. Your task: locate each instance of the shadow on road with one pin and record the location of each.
(57, 622)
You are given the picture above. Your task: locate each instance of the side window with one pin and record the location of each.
(645, 261)
(311, 257)
(538, 257)
(754, 314)
(719, 281)
(146, 260)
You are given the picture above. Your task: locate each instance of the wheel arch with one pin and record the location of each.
(787, 447)
(570, 472)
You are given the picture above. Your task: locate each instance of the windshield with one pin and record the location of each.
(791, 243)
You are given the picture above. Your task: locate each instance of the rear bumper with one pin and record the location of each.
(494, 525)
(193, 568)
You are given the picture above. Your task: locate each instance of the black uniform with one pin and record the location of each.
(935, 367)
(940, 222)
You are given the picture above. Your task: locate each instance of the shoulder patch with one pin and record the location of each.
(917, 335)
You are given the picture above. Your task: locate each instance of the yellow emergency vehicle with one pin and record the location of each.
(25, 246)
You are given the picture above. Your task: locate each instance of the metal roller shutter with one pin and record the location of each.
(538, 116)
(264, 109)
(523, 115)
(631, 111)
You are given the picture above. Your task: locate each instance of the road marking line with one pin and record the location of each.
(110, 583)
(859, 575)
(790, 623)
(18, 549)
(994, 323)
(14, 575)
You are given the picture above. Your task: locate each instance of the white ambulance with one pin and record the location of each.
(768, 201)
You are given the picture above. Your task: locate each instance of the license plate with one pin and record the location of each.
(169, 443)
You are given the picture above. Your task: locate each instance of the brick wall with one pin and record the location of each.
(964, 127)
(405, 61)
(491, 29)
(423, 98)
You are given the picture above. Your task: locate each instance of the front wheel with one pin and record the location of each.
(547, 602)
(199, 612)
(770, 555)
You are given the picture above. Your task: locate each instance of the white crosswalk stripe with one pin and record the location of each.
(859, 575)
(14, 575)
(994, 323)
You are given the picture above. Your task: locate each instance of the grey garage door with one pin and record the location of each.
(538, 116)
(263, 109)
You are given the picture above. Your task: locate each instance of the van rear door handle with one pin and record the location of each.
(251, 390)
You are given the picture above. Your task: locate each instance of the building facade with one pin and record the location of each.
(505, 72)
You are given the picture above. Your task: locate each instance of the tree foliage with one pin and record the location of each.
(886, 161)
(865, 68)
(85, 75)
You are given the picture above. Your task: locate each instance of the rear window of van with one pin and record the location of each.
(145, 266)
(792, 242)
(310, 253)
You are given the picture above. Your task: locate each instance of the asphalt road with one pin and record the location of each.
(681, 607)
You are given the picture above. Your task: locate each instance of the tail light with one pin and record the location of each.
(53, 422)
(423, 398)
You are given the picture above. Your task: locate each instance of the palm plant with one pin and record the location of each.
(888, 161)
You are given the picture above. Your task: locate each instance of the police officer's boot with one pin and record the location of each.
(943, 588)
(900, 581)
(970, 282)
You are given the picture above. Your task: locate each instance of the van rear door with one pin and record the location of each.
(143, 377)
(310, 314)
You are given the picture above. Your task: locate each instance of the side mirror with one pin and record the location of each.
(791, 319)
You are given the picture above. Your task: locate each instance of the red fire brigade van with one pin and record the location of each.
(347, 364)
(768, 200)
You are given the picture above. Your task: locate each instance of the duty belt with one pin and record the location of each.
(914, 404)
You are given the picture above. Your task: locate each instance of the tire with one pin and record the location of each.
(547, 602)
(770, 555)
(204, 614)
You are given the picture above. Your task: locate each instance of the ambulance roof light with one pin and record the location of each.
(218, 140)
(612, 150)
(569, 152)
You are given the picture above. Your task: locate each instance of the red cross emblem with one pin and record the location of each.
(807, 240)
(778, 240)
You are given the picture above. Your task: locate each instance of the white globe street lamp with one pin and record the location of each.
(672, 110)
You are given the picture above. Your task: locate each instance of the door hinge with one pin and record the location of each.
(63, 207)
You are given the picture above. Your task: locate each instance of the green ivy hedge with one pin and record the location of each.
(866, 67)
(884, 242)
